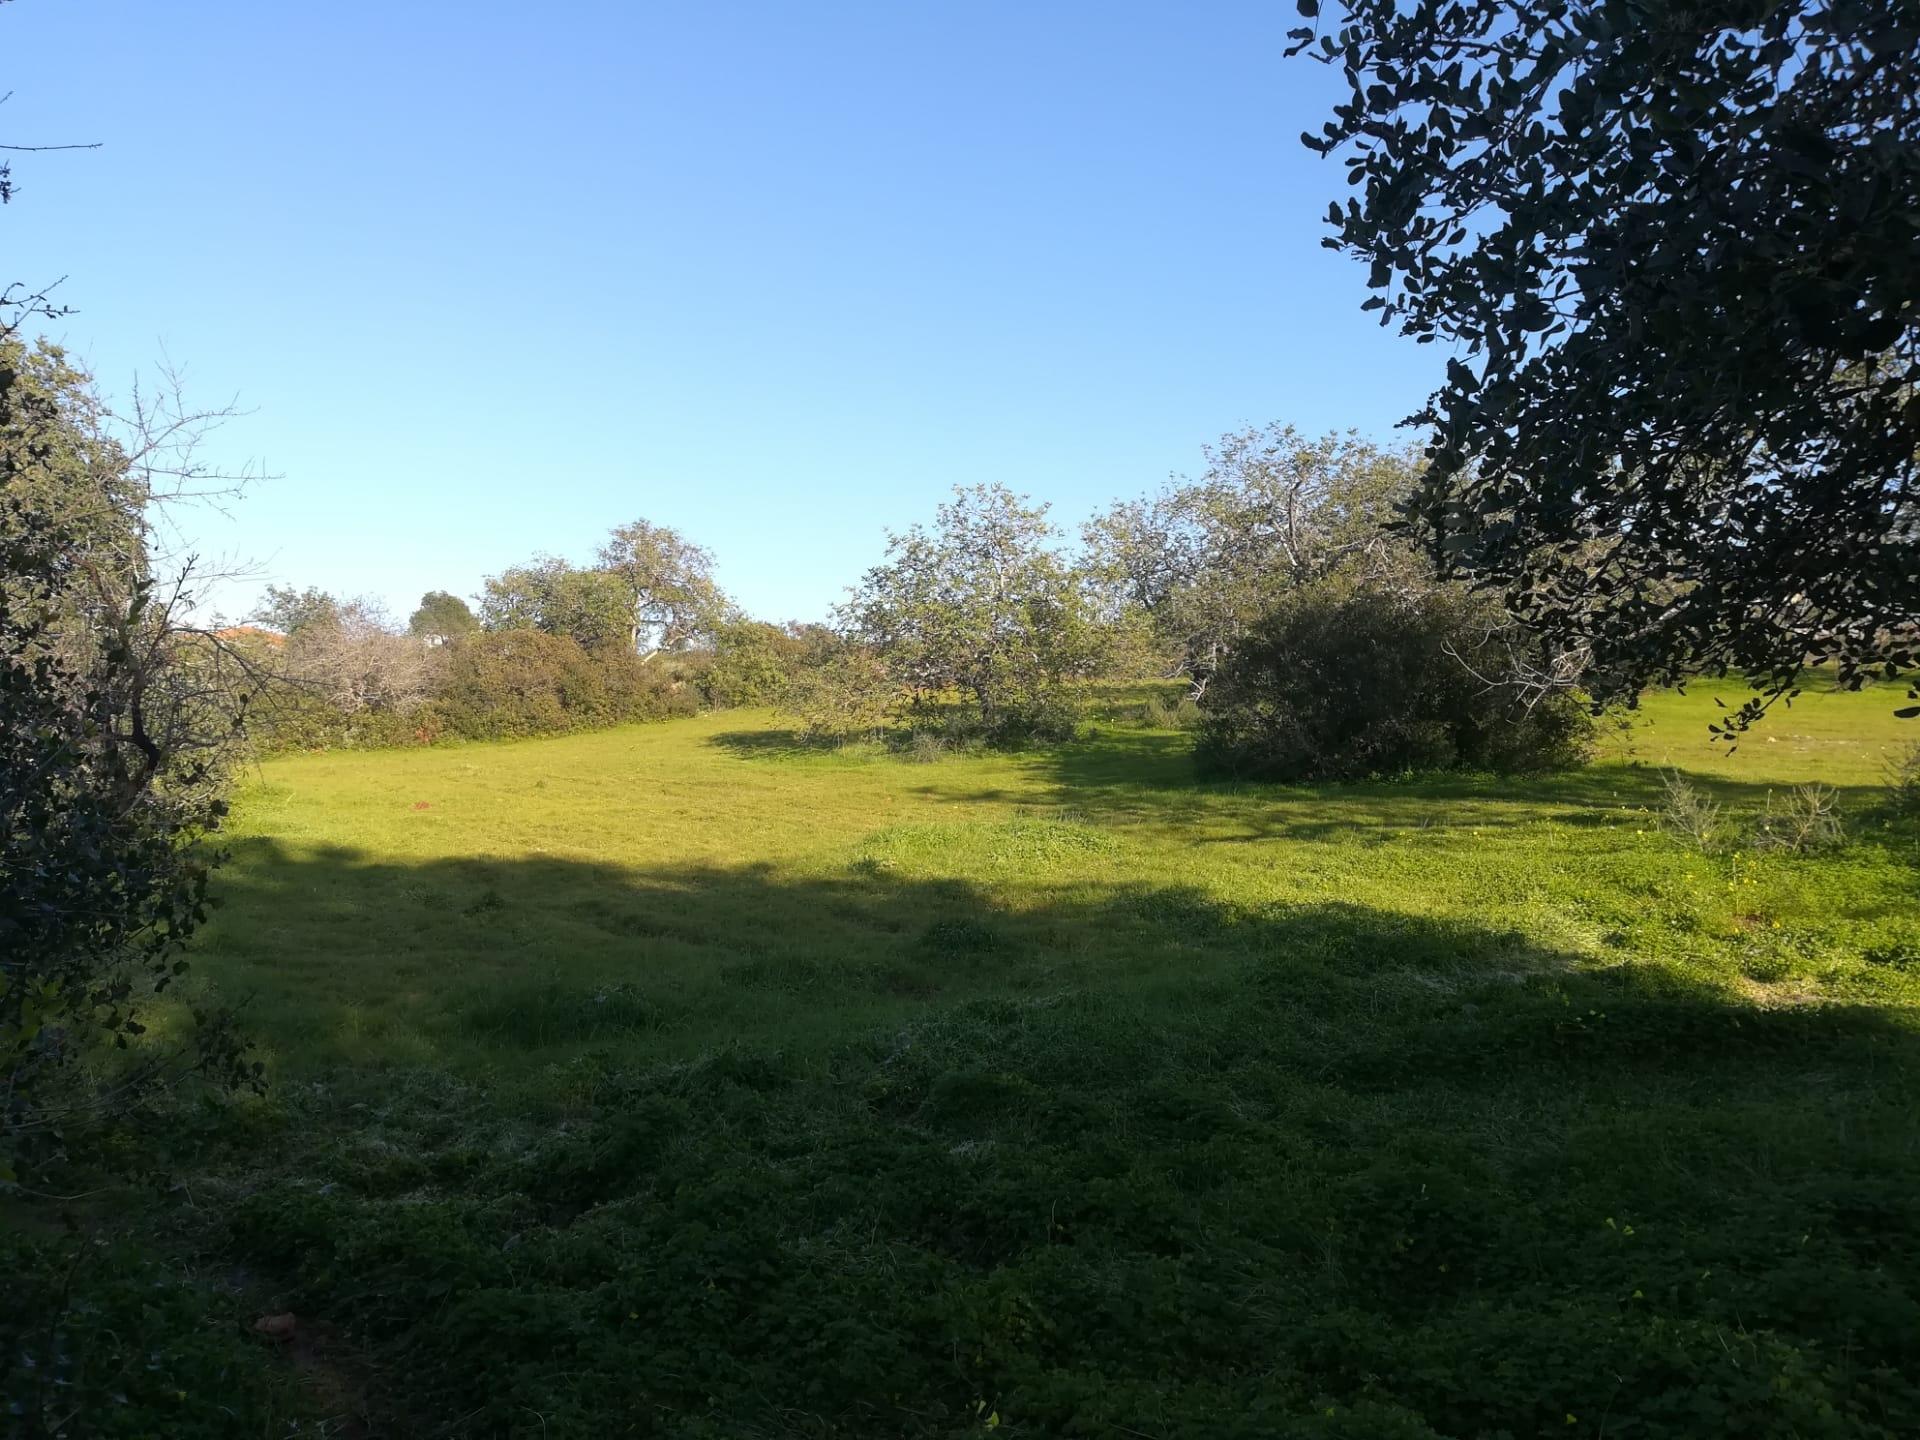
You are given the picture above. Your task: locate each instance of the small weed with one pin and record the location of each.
(924, 747)
(1688, 814)
(1803, 821)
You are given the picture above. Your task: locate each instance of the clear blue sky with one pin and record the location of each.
(493, 278)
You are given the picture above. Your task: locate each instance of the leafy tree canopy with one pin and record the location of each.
(292, 611)
(982, 604)
(442, 616)
(666, 583)
(1199, 561)
(1678, 248)
(555, 597)
(113, 725)
(652, 591)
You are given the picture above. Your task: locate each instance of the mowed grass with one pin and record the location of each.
(686, 1080)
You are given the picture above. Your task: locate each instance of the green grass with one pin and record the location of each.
(467, 908)
(685, 1080)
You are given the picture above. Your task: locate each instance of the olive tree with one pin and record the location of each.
(665, 583)
(982, 604)
(1198, 562)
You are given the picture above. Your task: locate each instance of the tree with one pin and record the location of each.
(667, 585)
(843, 691)
(1678, 248)
(752, 663)
(441, 618)
(354, 659)
(116, 719)
(587, 606)
(982, 604)
(1203, 559)
(291, 611)
(652, 591)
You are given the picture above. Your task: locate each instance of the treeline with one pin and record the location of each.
(1281, 584)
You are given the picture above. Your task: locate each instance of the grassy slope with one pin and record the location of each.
(701, 1085)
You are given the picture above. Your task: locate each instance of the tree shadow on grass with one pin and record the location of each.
(1148, 777)
(816, 1135)
(773, 744)
(479, 962)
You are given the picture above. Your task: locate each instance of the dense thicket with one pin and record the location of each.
(513, 683)
(1345, 678)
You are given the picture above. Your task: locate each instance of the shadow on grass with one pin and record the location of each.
(481, 964)
(1143, 776)
(1146, 1161)
(773, 744)
(1147, 776)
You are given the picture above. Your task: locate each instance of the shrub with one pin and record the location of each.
(924, 747)
(1344, 679)
(512, 683)
(1171, 713)
(115, 729)
(846, 695)
(1803, 821)
(1689, 815)
(751, 664)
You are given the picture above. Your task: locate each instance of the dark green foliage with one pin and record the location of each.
(753, 662)
(1298, 1202)
(293, 718)
(108, 779)
(1342, 681)
(442, 617)
(1679, 247)
(97, 1340)
(508, 684)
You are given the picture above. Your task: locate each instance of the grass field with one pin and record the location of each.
(683, 1080)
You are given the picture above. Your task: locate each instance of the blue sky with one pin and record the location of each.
(493, 278)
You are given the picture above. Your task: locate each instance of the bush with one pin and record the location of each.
(1689, 815)
(845, 696)
(1161, 712)
(1343, 680)
(512, 683)
(115, 732)
(751, 664)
